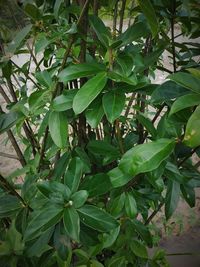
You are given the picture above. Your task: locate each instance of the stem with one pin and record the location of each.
(172, 34)
(122, 16)
(2, 154)
(3, 93)
(115, 18)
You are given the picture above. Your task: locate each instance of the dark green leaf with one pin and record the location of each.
(139, 249)
(101, 30)
(74, 174)
(58, 128)
(172, 198)
(192, 133)
(72, 223)
(185, 101)
(102, 148)
(79, 198)
(7, 120)
(113, 104)
(149, 12)
(97, 218)
(186, 80)
(94, 113)
(80, 70)
(9, 205)
(88, 92)
(60, 166)
(32, 11)
(143, 231)
(188, 194)
(117, 204)
(147, 124)
(96, 185)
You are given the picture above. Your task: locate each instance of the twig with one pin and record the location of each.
(172, 34)
(153, 214)
(121, 20)
(3, 93)
(2, 154)
(188, 156)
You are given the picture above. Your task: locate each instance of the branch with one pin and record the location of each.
(5, 155)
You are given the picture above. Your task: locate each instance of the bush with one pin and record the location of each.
(102, 147)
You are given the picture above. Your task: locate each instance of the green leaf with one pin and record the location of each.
(172, 198)
(118, 77)
(64, 102)
(19, 38)
(72, 223)
(95, 263)
(32, 11)
(44, 78)
(101, 30)
(79, 71)
(149, 12)
(146, 157)
(41, 43)
(102, 148)
(43, 220)
(147, 124)
(118, 178)
(117, 204)
(79, 198)
(110, 238)
(57, 6)
(74, 174)
(185, 101)
(188, 194)
(9, 205)
(58, 128)
(192, 132)
(96, 185)
(94, 113)
(186, 80)
(88, 92)
(139, 249)
(60, 166)
(113, 104)
(7, 120)
(133, 33)
(130, 206)
(117, 261)
(143, 231)
(97, 218)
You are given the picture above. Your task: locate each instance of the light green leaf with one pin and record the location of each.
(58, 128)
(41, 43)
(94, 113)
(192, 132)
(118, 178)
(185, 101)
(19, 38)
(64, 102)
(88, 92)
(146, 157)
(113, 104)
(79, 71)
(139, 249)
(110, 238)
(97, 218)
(130, 206)
(72, 223)
(149, 12)
(194, 72)
(44, 78)
(172, 198)
(187, 80)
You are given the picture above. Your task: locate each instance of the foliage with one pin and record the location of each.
(102, 147)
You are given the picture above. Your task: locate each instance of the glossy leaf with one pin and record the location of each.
(187, 80)
(74, 174)
(96, 185)
(146, 157)
(97, 218)
(88, 92)
(119, 178)
(172, 198)
(94, 113)
(79, 71)
(139, 249)
(113, 104)
(101, 30)
(185, 101)
(58, 128)
(192, 133)
(64, 102)
(130, 206)
(79, 198)
(72, 223)
(149, 12)
(43, 220)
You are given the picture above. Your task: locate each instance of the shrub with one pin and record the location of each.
(102, 147)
